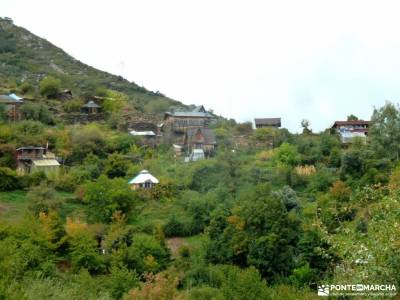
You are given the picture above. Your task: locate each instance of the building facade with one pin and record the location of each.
(32, 159)
(348, 130)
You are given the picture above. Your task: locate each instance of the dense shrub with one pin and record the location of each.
(106, 196)
(8, 179)
(49, 86)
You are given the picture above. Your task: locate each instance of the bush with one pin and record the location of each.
(8, 179)
(121, 280)
(175, 227)
(37, 112)
(83, 247)
(74, 105)
(49, 86)
(106, 196)
(26, 87)
(43, 199)
(146, 254)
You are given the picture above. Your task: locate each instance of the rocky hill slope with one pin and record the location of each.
(25, 57)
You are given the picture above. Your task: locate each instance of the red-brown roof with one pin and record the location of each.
(357, 122)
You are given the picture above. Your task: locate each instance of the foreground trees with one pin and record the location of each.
(258, 231)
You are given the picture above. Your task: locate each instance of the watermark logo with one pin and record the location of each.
(325, 290)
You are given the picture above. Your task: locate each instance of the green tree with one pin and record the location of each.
(116, 166)
(114, 101)
(258, 232)
(8, 179)
(385, 131)
(82, 248)
(106, 196)
(146, 254)
(305, 124)
(121, 280)
(37, 112)
(352, 118)
(49, 86)
(287, 154)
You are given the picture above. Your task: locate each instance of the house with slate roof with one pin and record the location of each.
(180, 121)
(267, 122)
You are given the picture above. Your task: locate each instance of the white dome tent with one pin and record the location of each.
(143, 180)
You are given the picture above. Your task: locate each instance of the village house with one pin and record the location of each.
(187, 131)
(32, 159)
(181, 121)
(348, 130)
(200, 138)
(12, 105)
(267, 122)
(144, 180)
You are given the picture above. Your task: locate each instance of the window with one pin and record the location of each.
(147, 185)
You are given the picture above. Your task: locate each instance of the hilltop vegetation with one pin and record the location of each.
(25, 59)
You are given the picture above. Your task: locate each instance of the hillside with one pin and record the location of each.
(25, 57)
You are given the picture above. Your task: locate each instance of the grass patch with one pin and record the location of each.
(153, 212)
(13, 205)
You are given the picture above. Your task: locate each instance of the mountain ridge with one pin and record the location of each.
(26, 57)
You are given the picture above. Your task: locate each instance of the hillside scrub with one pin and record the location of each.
(273, 219)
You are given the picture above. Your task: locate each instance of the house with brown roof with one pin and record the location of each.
(267, 122)
(348, 130)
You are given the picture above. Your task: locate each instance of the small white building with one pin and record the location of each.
(143, 180)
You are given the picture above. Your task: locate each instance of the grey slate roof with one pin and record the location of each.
(190, 114)
(200, 108)
(197, 112)
(268, 121)
(209, 136)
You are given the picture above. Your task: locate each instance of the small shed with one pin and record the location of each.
(91, 107)
(143, 180)
(48, 166)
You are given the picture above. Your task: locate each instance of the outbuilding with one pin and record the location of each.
(144, 180)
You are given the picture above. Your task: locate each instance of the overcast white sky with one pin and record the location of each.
(317, 60)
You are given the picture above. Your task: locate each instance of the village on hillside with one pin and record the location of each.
(109, 190)
(189, 133)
